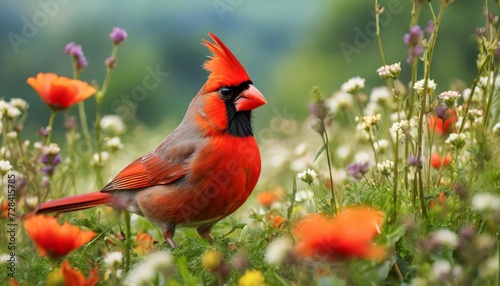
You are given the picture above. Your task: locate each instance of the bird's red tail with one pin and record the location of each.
(74, 203)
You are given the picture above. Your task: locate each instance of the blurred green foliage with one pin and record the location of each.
(285, 47)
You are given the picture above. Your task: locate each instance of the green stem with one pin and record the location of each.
(378, 11)
(423, 106)
(327, 149)
(50, 127)
(85, 128)
(98, 97)
(395, 179)
(128, 241)
(490, 100)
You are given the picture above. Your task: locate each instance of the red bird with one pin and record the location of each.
(204, 170)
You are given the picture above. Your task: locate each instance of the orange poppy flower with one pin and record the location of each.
(437, 161)
(53, 239)
(443, 127)
(277, 221)
(73, 277)
(60, 92)
(4, 209)
(267, 198)
(143, 243)
(347, 235)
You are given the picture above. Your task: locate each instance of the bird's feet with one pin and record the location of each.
(204, 232)
(168, 234)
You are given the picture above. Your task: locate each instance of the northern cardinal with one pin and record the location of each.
(203, 171)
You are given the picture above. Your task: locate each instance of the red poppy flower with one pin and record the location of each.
(437, 161)
(73, 277)
(60, 92)
(347, 235)
(53, 239)
(443, 127)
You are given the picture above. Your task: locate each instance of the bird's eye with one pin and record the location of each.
(226, 92)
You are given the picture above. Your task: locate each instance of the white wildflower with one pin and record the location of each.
(381, 145)
(486, 202)
(12, 135)
(113, 260)
(339, 100)
(32, 201)
(386, 167)
(353, 85)
(389, 71)
(114, 143)
(380, 95)
(13, 112)
(478, 95)
(475, 116)
(404, 129)
(147, 270)
(455, 140)
(99, 160)
(112, 124)
(5, 166)
(343, 151)
(490, 267)
(419, 86)
(277, 250)
(368, 121)
(307, 176)
(440, 269)
(304, 195)
(19, 103)
(52, 149)
(397, 116)
(445, 237)
(4, 106)
(450, 97)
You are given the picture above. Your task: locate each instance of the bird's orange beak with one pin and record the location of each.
(249, 99)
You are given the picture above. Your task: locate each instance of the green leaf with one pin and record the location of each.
(319, 152)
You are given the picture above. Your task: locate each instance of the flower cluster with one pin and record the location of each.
(419, 86)
(50, 158)
(389, 71)
(353, 85)
(386, 167)
(76, 52)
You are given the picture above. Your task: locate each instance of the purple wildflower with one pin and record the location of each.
(56, 160)
(44, 131)
(413, 160)
(82, 62)
(76, 51)
(44, 159)
(48, 170)
(358, 170)
(118, 35)
(429, 29)
(413, 37)
(442, 112)
(68, 47)
(412, 40)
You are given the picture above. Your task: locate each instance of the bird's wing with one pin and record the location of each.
(160, 167)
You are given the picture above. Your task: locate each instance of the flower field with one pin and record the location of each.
(397, 185)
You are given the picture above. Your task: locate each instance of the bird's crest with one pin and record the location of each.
(224, 67)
